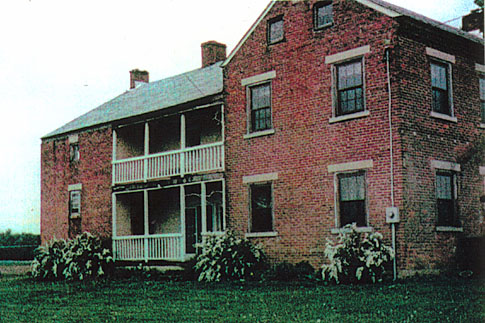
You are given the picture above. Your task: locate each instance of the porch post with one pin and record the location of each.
(113, 225)
(182, 222)
(223, 139)
(182, 145)
(223, 205)
(146, 151)
(114, 157)
(145, 222)
(203, 204)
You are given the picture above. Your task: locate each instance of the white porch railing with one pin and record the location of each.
(151, 247)
(191, 160)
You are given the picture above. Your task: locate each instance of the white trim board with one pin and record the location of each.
(357, 165)
(258, 78)
(348, 54)
(444, 165)
(259, 178)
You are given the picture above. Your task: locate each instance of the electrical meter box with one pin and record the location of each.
(392, 215)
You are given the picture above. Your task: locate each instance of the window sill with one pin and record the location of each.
(481, 125)
(259, 134)
(75, 216)
(442, 116)
(261, 234)
(356, 115)
(359, 229)
(323, 27)
(448, 229)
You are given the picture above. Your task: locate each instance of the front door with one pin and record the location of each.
(193, 228)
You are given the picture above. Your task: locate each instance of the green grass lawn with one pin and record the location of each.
(137, 300)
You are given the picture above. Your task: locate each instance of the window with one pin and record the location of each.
(322, 14)
(73, 152)
(74, 204)
(350, 93)
(446, 198)
(441, 88)
(261, 208)
(352, 196)
(260, 107)
(482, 99)
(276, 32)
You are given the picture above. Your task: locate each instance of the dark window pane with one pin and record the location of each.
(352, 199)
(440, 101)
(261, 208)
(261, 107)
(349, 85)
(483, 111)
(439, 83)
(445, 195)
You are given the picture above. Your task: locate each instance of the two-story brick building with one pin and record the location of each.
(329, 113)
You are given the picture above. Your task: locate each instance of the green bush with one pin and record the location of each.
(356, 257)
(77, 259)
(227, 257)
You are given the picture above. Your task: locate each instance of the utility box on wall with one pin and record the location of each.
(392, 215)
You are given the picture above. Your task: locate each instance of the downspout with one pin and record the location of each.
(391, 153)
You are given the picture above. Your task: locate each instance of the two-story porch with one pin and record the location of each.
(168, 187)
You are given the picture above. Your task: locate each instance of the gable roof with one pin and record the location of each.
(383, 7)
(151, 97)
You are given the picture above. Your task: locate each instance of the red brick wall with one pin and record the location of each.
(425, 138)
(304, 142)
(93, 171)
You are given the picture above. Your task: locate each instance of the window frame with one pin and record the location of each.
(440, 221)
(74, 152)
(449, 89)
(72, 193)
(337, 109)
(250, 207)
(338, 176)
(320, 5)
(268, 30)
(481, 79)
(249, 117)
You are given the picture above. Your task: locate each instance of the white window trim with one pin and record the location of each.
(453, 167)
(358, 229)
(258, 78)
(259, 181)
(337, 169)
(440, 55)
(347, 55)
(448, 60)
(479, 68)
(482, 170)
(351, 166)
(261, 234)
(260, 178)
(75, 187)
(248, 83)
(445, 165)
(316, 6)
(340, 58)
(73, 139)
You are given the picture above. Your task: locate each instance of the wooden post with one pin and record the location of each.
(146, 151)
(114, 157)
(113, 225)
(182, 221)
(203, 207)
(145, 222)
(182, 145)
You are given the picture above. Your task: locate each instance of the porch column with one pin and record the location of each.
(146, 151)
(223, 139)
(182, 221)
(203, 203)
(145, 222)
(114, 157)
(223, 205)
(182, 144)
(113, 225)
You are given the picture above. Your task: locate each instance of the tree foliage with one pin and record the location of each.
(7, 238)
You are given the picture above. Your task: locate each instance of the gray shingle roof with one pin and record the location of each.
(151, 97)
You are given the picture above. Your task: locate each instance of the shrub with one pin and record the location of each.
(227, 257)
(356, 257)
(77, 259)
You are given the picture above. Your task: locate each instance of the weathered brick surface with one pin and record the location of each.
(93, 171)
(305, 143)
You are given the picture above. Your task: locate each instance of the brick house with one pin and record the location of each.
(326, 113)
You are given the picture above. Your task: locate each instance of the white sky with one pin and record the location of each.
(60, 59)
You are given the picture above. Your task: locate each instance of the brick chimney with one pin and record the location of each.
(212, 52)
(137, 76)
